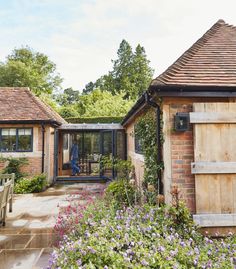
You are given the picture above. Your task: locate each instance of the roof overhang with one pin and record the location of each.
(91, 126)
(50, 122)
(193, 90)
(179, 91)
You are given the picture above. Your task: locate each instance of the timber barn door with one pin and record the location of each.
(214, 163)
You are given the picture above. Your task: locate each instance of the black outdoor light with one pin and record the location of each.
(181, 121)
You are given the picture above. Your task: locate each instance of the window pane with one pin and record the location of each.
(24, 139)
(8, 140)
(107, 143)
(91, 143)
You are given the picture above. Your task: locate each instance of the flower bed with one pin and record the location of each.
(139, 237)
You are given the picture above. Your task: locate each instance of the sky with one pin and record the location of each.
(83, 36)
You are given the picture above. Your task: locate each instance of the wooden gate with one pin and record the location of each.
(215, 163)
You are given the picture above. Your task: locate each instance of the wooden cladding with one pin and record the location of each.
(214, 163)
(212, 117)
(219, 220)
(213, 168)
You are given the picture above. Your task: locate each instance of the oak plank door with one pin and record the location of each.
(214, 163)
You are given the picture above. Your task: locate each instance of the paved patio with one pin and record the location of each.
(27, 239)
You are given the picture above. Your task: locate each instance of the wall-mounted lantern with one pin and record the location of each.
(181, 122)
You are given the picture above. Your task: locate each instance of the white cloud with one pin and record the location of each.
(82, 37)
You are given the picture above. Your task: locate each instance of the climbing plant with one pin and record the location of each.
(14, 165)
(145, 130)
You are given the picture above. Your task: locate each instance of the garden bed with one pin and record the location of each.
(98, 235)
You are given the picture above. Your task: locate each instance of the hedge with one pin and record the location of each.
(95, 119)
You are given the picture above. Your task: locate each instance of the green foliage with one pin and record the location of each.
(131, 73)
(47, 99)
(97, 104)
(121, 193)
(102, 103)
(14, 166)
(104, 119)
(27, 68)
(68, 97)
(136, 237)
(122, 167)
(145, 130)
(112, 94)
(35, 184)
(68, 112)
(181, 218)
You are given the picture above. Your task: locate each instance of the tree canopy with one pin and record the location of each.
(131, 73)
(98, 103)
(112, 94)
(26, 68)
(68, 97)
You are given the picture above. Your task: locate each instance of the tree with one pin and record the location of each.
(89, 87)
(27, 68)
(68, 97)
(68, 112)
(103, 103)
(131, 73)
(142, 73)
(97, 103)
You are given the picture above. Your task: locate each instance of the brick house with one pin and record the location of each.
(199, 87)
(27, 128)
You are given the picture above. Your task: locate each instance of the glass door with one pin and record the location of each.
(91, 152)
(107, 152)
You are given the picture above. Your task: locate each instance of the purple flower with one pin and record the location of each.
(161, 249)
(144, 263)
(91, 250)
(79, 262)
(83, 252)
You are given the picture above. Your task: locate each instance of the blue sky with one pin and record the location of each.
(82, 36)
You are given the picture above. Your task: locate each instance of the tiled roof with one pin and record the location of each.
(211, 61)
(20, 104)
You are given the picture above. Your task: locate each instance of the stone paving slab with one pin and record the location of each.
(27, 239)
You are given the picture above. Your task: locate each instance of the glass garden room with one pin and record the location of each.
(95, 141)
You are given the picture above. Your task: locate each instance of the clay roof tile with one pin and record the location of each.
(20, 104)
(210, 61)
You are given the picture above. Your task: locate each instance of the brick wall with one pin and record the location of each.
(34, 166)
(182, 154)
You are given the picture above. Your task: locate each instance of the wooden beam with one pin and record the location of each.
(167, 174)
(212, 117)
(215, 220)
(213, 168)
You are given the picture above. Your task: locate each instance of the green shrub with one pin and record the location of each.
(121, 192)
(104, 119)
(35, 184)
(14, 166)
(122, 167)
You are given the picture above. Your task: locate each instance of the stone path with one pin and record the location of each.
(27, 239)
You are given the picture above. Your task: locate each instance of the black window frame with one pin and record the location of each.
(17, 138)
